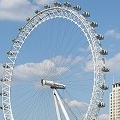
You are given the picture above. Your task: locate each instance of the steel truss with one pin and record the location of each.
(94, 43)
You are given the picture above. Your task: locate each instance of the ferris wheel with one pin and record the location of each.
(65, 63)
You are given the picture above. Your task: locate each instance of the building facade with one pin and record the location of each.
(115, 102)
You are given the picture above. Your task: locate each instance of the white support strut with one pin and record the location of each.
(56, 105)
(61, 105)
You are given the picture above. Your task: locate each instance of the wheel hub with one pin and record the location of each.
(52, 84)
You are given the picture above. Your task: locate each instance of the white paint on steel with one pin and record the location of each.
(56, 105)
(94, 43)
(61, 105)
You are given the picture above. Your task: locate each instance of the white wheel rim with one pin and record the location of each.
(94, 43)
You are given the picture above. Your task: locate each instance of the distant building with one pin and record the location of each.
(115, 102)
